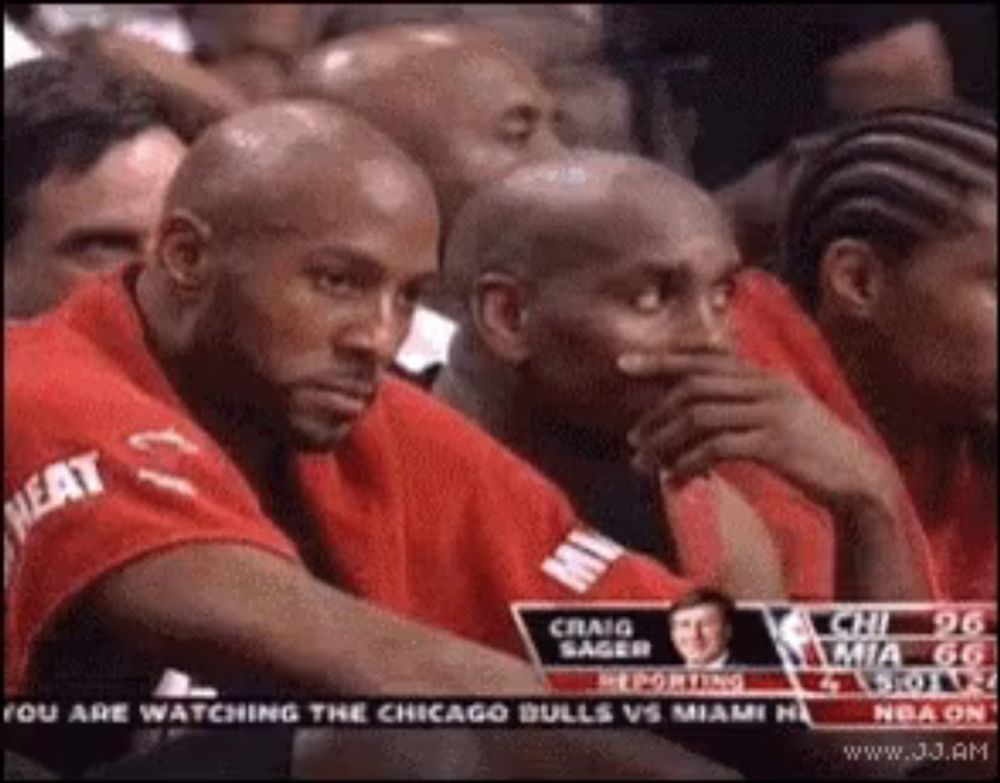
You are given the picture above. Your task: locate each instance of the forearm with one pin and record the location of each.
(362, 650)
(224, 611)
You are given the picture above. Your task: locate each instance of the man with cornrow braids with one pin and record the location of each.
(891, 242)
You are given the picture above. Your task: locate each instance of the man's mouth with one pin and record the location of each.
(346, 399)
(357, 389)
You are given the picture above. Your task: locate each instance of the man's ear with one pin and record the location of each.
(180, 249)
(499, 310)
(852, 276)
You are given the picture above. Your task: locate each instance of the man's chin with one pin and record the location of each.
(313, 436)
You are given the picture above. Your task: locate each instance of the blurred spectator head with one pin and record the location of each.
(891, 238)
(190, 96)
(567, 264)
(906, 66)
(252, 45)
(87, 160)
(465, 107)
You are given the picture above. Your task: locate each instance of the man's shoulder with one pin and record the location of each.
(61, 386)
(52, 375)
(404, 398)
(415, 416)
(434, 439)
(49, 364)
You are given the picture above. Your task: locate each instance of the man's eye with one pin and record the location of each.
(649, 300)
(517, 134)
(519, 126)
(99, 250)
(722, 295)
(332, 283)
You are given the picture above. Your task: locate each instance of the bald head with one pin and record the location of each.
(465, 107)
(268, 168)
(545, 218)
(344, 66)
(566, 265)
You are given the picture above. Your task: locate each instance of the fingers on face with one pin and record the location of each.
(646, 365)
(719, 408)
(696, 391)
(700, 422)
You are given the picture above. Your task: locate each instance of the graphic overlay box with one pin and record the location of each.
(826, 666)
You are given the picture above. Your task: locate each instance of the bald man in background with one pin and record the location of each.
(459, 102)
(205, 459)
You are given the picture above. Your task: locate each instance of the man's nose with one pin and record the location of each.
(705, 328)
(546, 144)
(379, 331)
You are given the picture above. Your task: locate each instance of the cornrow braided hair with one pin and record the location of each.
(896, 179)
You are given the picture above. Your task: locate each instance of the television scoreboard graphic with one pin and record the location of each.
(825, 666)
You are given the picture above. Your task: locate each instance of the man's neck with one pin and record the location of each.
(899, 415)
(196, 380)
(918, 443)
(482, 391)
(256, 451)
